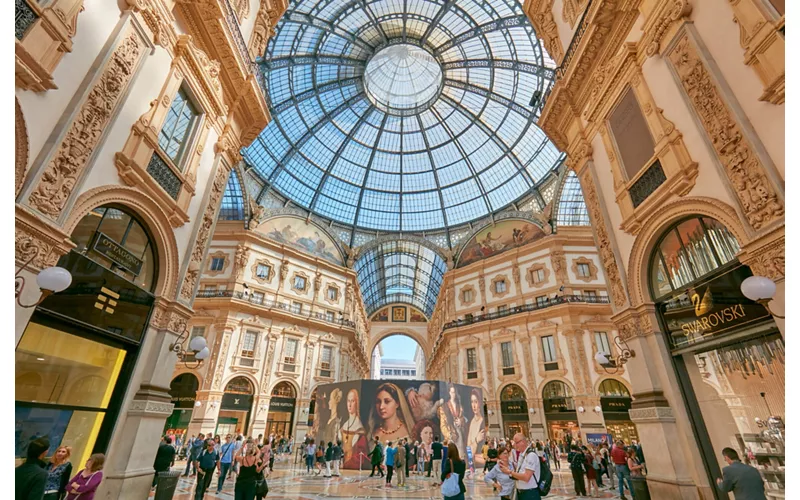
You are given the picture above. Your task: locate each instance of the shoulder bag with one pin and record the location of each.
(450, 486)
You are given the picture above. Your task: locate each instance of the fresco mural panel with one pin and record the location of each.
(498, 238)
(297, 233)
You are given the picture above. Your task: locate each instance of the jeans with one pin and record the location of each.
(578, 478)
(437, 470)
(309, 462)
(223, 473)
(203, 482)
(623, 472)
(244, 490)
(389, 473)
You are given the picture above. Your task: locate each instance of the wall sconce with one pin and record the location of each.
(197, 347)
(598, 410)
(605, 360)
(531, 410)
(198, 404)
(581, 409)
(760, 289)
(490, 412)
(262, 408)
(50, 280)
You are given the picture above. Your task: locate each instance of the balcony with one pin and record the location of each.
(270, 304)
(566, 299)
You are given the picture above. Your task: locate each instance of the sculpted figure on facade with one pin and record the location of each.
(283, 272)
(240, 260)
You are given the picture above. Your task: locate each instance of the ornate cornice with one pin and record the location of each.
(38, 239)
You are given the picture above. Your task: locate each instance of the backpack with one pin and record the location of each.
(578, 461)
(319, 453)
(545, 481)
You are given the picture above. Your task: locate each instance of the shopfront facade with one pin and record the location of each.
(559, 412)
(514, 410)
(183, 392)
(615, 402)
(235, 408)
(727, 351)
(282, 406)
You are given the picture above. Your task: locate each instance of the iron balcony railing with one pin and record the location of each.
(236, 32)
(272, 304)
(574, 43)
(565, 299)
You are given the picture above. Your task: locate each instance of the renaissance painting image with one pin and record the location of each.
(497, 238)
(301, 235)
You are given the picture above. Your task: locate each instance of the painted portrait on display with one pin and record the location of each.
(498, 238)
(381, 316)
(390, 417)
(476, 431)
(298, 234)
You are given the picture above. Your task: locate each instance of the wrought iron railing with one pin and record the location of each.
(24, 17)
(238, 39)
(565, 299)
(163, 175)
(647, 183)
(574, 43)
(272, 304)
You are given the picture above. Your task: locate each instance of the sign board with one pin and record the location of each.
(615, 404)
(115, 252)
(597, 439)
(285, 405)
(559, 405)
(238, 402)
(512, 407)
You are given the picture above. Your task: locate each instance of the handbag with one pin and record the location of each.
(450, 486)
(262, 488)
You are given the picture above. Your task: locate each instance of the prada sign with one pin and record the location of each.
(615, 404)
(115, 252)
(559, 405)
(710, 308)
(511, 407)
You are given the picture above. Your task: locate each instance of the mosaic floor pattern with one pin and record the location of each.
(290, 482)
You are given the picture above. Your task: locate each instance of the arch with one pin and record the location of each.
(21, 149)
(376, 242)
(151, 214)
(244, 376)
(183, 379)
(510, 386)
(415, 336)
(651, 231)
(611, 381)
(543, 384)
(557, 385)
(298, 243)
(86, 386)
(282, 384)
(184, 370)
(289, 381)
(504, 239)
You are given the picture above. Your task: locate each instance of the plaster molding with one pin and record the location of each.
(592, 269)
(532, 269)
(226, 260)
(497, 279)
(270, 274)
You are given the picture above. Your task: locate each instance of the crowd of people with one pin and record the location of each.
(40, 478)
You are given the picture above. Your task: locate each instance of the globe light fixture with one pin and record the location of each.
(198, 348)
(614, 364)
(598, 409)
(760, 289)
(50, 280)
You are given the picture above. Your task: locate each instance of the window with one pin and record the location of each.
(262, 271)
(502, 308)
(249, 343)
(541, 300)
(297, 307)
(549, 349)
(601, 342)
(178, 127)
(197, 331)
(396, 372)
(325, 361)
(507, 355)
(299, 283)
(537, 275)
(472, 363)
(590, 293)
(405, 372)
(413, 373)
(632, 134)
(210, 288)
(468, 295)
(330, 316)
(500, 286)
(217, 264)
(289, 354)
(584, 271)
(333, 293)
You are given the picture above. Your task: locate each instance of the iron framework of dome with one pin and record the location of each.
(404, 115)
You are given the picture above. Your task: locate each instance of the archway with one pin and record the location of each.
(237, 403)
(514, 410)
(615, 401)
(398, 355)
(282, 403)
(183, 393)
(559, 412)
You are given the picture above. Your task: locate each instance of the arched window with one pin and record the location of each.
(556, 389)
(613, 388)
(284, 390)
(688, 251)
(239, 385)
(183, 388)
(115, 237)
(512, 392)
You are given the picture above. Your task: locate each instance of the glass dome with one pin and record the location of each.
(404, 115)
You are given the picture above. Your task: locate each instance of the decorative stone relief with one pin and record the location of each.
(670, 12)
(204, 233)
(559, 261)
(267, 368)
(20, 147)
(139, 406)
(548, 30)
(240, 261)
(65, 168)
(572, 10)
(652, 414)
(529, 275)
(219, 369)
(756, 194)
(592, 269)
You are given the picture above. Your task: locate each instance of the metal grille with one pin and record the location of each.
(164, 175)
(24, 17)
(647, 183)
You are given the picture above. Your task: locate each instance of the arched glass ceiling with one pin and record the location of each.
(571, 205)
(232, 206)
(458, 153)
(400, 271)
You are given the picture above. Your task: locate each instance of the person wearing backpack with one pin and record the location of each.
(452, 477)
(577, 465)
(527, 469)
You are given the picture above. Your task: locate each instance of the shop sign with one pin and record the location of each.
(183, 401)
(710, 308)
(597, 439)
(283, 405)
(512, 407)
(115, 252)
(558, 405)
(238, 402)
(615, 404)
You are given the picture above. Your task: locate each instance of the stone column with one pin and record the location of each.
(204, 417)
(260, 412)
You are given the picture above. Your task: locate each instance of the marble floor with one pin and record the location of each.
(290, 482)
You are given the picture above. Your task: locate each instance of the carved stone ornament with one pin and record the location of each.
(547, 28)
(35, 239)
(592, 269)
(204, 233)
(240, 261)
(270, 271)
(219, 369)
(572, 10)
(283, 272)
(20, 147)
(72, 155)
(660, 22)
(559, 261)
(756, 194)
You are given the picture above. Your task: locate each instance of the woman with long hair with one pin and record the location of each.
(85, 483)
(353, 434)
(423, 432)
(451, 415)
(476, 435)
(454, 464)
(390, 418)
(251, 468)
(59, 470)
(333, 423)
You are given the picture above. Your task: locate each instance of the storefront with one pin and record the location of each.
(281, 410)
(615, 401)
(514, 410)
(74, 360)
(183, 392)
(727, 352)
(559, 412)
(234, 411)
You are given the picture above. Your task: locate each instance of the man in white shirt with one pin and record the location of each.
(525, 469)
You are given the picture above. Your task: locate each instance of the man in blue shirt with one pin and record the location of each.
(196, 446)
(205, 463)
(390, 452)
(226, 452)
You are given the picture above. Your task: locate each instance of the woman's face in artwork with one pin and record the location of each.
(452, 393)
(352, 402)
(385, 405)
(475, 404)
(426, 435)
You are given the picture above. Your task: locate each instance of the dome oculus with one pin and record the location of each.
(402, 79)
